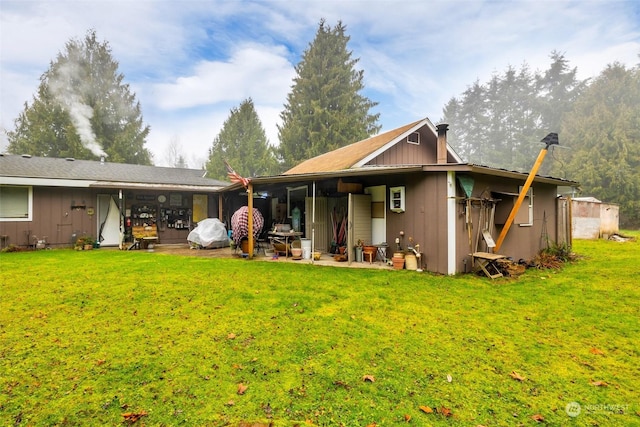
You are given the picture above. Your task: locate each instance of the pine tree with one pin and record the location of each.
(243, 143)
(82, 109)
(501, 123)
(325, 109)
(603, 133)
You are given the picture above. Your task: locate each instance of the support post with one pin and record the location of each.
(250, 218)
(549, 140)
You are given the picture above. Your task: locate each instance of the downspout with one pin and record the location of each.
(451, 222)
(313, 223)
(441, 158)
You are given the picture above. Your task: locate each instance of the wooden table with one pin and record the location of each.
(486, 262)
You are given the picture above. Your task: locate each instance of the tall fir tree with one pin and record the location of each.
(82, 109)
(243, 143)
(325, 109)
(501, 123)
(603, 133)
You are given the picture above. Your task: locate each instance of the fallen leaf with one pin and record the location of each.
(599, 383)
(231, 336)
(449, 378)
(242, 388)
(407, 418)
(426, 409)
(537, 417)
(369, 378)
(372, 425)
(132, 417)
(445, 411)
(516, 376)
(100, 362)
(230, 403)
(596, 351)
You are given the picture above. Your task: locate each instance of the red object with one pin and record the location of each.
(240, 224)
(128, 222)
(235, 177)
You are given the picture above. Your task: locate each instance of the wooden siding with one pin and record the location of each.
(54, 218)
(405, 153)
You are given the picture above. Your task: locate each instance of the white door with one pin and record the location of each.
(378, 213)
(108, 220)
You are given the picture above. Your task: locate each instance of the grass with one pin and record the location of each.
(105, 337)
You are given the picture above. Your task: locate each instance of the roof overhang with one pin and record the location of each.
(46, 182)
(77, 183)
(318, 176)
(160, 187)
(387, 170)
(502, 173)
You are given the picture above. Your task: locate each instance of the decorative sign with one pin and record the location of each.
(175, 199)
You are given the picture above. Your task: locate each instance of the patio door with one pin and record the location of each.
(108, 220)
(359, 222)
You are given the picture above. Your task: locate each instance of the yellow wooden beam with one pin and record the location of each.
(250, 218)
(521, 197)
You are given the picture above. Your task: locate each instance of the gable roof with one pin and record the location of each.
(28, 170)
(356, 155)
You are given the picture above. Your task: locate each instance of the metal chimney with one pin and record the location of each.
(441, 150)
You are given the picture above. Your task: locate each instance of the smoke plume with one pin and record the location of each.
(68, 85)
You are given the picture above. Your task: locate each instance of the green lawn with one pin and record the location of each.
(104, 337)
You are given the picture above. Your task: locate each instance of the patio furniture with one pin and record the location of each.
(487, 263)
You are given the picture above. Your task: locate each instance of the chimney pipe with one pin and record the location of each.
(441, 151)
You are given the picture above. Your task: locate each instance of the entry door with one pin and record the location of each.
(108, 220)
(378, 213)
(359, 221)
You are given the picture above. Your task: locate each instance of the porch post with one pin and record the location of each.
(250, 218)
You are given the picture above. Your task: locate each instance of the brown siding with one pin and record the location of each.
(405, 153)
(424, 219)
(521, 242)
(54, 219)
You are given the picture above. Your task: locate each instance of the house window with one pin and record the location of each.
(414, 138)
(525, 217)
(396, 199)
(16, 203)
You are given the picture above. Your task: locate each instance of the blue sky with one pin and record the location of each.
(190, 62)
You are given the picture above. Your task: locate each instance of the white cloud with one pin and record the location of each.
(189, 62)
(259, 72)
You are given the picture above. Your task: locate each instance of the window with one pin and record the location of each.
(15, 203)
(296, 197)
(396, 199)
(414, 138)
(525, 215)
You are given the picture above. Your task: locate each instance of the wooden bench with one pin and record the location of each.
(487, 263)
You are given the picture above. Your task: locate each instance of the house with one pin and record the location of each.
(405, 187)
(593, 219)
(54, 201)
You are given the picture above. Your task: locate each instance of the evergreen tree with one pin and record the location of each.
(603, 132)
(82, 109)
(325, 109)
(557, 90)
(243, 143)
(501, 123)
